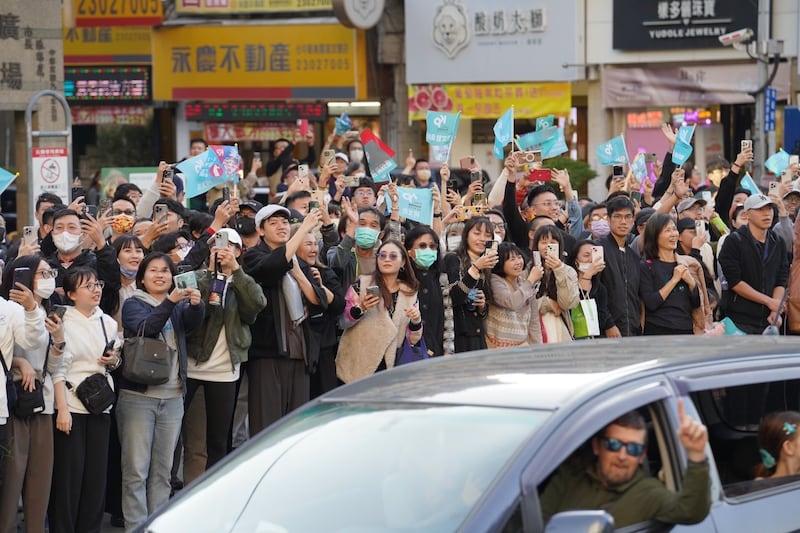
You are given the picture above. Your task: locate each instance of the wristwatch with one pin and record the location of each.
(59, 346)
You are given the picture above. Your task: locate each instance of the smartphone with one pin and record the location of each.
(373, 290)
(22, 275)
(91, 210)
(537, 258)
(328, 156)
(540, 174)
(226, 194)
(221, 240)
(257, 156)
(636, 196)
(598, 255)
(57, 310)
(160, 212)
(491, 245)
(774, 187)
(29, 235)
(552, 250)
(787, 175)
(452, 184)
(352, 181)
(700, 228)
(479, 199)
(467, 162)
(747, 144)
(302, 172)
(168, 174)
(313, 204)
(618, 172)
(475, 175)
(794, 159)
(76, 192)
(183, 269)
(652, 157)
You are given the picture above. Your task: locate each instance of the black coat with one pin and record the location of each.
(621, 280)
(431, 308)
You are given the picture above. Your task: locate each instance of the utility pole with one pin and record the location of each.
(759, 134)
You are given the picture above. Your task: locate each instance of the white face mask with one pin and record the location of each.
(452, 243)
(584, 267)
(45, 288)
(356, 155)
(424, 174)
(66, 242)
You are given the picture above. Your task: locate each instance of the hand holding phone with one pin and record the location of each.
(598, 255)
(57, 310)
(774, 188)
(29, 235)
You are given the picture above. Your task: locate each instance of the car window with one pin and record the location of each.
(346, 467)
(733, 415)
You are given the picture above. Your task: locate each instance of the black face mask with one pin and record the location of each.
(245, 226)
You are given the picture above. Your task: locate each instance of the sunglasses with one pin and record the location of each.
(392, 256)
(634, 449)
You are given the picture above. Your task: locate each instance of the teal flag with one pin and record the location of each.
(6, 178)
(683, 145)
(612, 152)
(414, 204)
(441, 132)
(778, 162)
(503, 132)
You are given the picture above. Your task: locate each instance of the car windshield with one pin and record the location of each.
(357, 467)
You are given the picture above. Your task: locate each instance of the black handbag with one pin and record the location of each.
(29, 403)
(95, 393)
(147, 361)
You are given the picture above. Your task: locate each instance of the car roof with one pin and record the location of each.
(550, 376)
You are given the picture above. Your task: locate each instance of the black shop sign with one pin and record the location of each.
(679, 24)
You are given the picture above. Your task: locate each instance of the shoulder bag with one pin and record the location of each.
(94, 392)
(147, 361)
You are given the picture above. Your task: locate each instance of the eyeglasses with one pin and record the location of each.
(48, 274)
(93, 285)
(499, 225)
(391, 256)
(117, 212)
(634, 449)
(599, 217)
(548, 203)
(364, 193)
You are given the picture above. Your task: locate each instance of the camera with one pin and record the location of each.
(743, 36)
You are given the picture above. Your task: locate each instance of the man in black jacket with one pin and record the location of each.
(276, 368)
(621, 275)
(756, 266)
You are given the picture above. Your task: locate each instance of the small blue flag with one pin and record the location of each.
(612, 152)
(545, 122)
(379, 156)
(503, 132)
(639, 167)
(6, 178)
(441, 132)
(342, 124)
(414, 204)
(215, 166)
(683, 145)
(778, 162)
(748, 183)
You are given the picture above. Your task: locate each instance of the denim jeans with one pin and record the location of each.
(148, 431)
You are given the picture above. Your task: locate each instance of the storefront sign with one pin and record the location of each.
(30, 51)
(231, 7)
(118, 12)
(674, 24)
(530, 100)
(686, 86)
(314, 61)
(645, 119)
(477, 41)
(111, 115)
(107, 85)
(111, 177)
(688, 116)
(361, 14)
(50, 172)
(107, 46)
(221, 132)
(250, 111)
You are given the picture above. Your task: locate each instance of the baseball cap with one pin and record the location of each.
(756, 201)
(251, 204)
(684, 224)
(343, 157)
(791, 191)
(689, 202)
(233, 237)
(643, 216)
(270, 211)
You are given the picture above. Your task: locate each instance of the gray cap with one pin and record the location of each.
(689, 202)
(270, 211)
(757, 201)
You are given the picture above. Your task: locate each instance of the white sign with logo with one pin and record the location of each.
(50, 172)
(482, 41)
(360, 14)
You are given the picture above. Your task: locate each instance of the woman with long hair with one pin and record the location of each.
(149, 416)
(380, 314)
(422, 244)
(667, 288)
(779, 445)
(588, 268)
(29, 466)
(469, 269)
(513, 318)
(80, 442)
(558, 290)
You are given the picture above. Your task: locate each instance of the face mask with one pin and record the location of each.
(245, 226)
(356, 155)
(45, 288)
(425, 258)
(497, 238)
(584, 267)
(366, 237)
(122, 223)
(600, 228)
(453, 243)
(129, 273)
(66, 242)
(424, 174)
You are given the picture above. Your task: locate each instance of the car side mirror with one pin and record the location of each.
(584, 521)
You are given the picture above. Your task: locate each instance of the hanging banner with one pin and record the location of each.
(120, 45)
(530, 100)
(117, 12)
(232, 7)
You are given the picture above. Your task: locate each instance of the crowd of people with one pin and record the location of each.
(255, 309)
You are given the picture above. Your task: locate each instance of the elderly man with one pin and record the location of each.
(615, 481)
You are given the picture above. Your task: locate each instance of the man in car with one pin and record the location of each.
(616, 483)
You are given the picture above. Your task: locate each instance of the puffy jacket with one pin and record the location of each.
(621, 279)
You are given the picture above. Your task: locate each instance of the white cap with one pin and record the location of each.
(269, 211)
(233, 237)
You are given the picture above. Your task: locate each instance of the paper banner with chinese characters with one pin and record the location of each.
(530, 100)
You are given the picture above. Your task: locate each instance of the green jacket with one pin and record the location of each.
(643, 498)
(244, 299)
